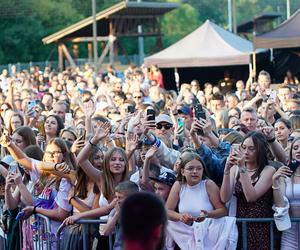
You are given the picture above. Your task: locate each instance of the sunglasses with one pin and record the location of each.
(166, 126)
(137, 97)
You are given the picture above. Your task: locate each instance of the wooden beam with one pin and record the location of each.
(60, 57)
(86, 39)
(68, 56)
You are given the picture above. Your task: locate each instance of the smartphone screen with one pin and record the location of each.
(293, 165)
(150, 114)
(130, 109)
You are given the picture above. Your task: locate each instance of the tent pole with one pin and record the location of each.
(254, 62)
(177, 78)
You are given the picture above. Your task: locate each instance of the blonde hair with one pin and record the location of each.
(108, 187)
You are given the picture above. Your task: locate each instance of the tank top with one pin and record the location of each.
(193, 199)
(292, 192)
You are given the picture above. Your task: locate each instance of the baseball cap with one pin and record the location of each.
(166, 178)
(185, 110)
(164, 118)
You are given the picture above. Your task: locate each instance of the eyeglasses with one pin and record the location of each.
(191, 169)
(166, 126)
(137, 97)
(54, 153)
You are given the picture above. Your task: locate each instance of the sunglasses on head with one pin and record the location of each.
(166, 126)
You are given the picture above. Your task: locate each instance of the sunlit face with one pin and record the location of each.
(162, 190)
(98, 160)
(296, 151)
(193, 172)
(117, 163)
(249, 119)
(216, 105)
(15, 122)
(60, 110)
(284, 94)
(121, 196)
(233, 121)
(51, 126)
(281, 131)
(53, 154)
(164, 129)
(231, 102)
(68, 136)
(249, 150)
(19, 141)
(264, 82)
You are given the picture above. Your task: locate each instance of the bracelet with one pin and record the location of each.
(242, 170)
(275, 188)
(272, 140)
(73, 197)
(226, 172)
(55, 166)
(92, 144)
(34, 209)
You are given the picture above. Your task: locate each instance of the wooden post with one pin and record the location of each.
(111, 43)
(90, 51)
(254, 61)
(60, 57)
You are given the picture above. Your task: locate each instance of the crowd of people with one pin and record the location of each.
(75, 144)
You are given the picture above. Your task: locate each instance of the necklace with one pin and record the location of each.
(251, 170)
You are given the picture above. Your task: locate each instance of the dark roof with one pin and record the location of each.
(247, 27)
(286, 35)
(125, 10)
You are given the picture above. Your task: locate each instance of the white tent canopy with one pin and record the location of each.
(208, 45)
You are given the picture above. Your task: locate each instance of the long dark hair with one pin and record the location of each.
(60, 123)
(261, 146)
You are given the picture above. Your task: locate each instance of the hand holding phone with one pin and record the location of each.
(150, 114)
(293, 165)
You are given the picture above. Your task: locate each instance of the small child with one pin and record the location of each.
(123, 190)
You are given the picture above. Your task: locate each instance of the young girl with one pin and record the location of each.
(51, 191)
(114, 171)
(197, 198)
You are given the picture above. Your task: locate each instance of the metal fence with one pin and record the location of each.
(43, 239)
(244, 223)
(85, 223)
(80, 62)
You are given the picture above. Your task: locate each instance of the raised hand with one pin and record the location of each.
(77, 145)
(269, 132)
(195, 127)
(205, 126)
(89, 108)
(132, 141)
(151, 152)
(102, 131)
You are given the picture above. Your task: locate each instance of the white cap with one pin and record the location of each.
(164, 118)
